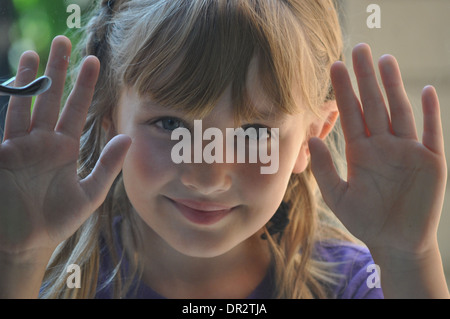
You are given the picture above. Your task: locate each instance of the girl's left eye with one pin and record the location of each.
(259, 131)
(169, 123)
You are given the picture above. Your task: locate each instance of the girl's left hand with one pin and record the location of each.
(393, 196)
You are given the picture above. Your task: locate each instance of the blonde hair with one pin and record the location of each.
(185, 53)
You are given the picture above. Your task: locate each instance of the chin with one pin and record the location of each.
(204, 246)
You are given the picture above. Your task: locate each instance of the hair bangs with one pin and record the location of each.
(201, 48)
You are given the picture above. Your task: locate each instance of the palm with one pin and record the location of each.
(386, 181)
(33, 174)
(395, 184)
(42, 199)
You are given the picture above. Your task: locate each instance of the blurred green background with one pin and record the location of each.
(31, 25)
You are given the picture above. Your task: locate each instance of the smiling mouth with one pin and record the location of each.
(202, 213)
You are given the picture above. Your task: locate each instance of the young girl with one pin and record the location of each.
(140, 226)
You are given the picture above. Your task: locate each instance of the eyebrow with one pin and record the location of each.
(267, 113)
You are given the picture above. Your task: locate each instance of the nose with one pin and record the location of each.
(207, 179)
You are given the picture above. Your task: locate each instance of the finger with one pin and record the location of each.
(432, 136)
(17, 120)
(74, 114)
(402, 117)
(351, 116)
(375, 112)
(47, 106)
(330, 184)
(97, 184)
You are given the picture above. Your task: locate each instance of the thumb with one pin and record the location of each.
(331, 186)
(97, 184)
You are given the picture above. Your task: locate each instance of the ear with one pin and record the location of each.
(322, 127)
(109, 127)
(319, 127)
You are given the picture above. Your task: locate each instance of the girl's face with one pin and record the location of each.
(200, 209)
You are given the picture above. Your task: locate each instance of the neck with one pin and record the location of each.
(234, 274)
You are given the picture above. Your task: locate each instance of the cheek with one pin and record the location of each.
(148, 162)
(264, 192)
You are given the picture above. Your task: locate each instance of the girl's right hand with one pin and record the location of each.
(42, 200)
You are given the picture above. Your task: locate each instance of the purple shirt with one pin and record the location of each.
(356, 267)
(353, 264)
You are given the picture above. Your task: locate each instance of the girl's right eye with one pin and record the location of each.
(169, 123)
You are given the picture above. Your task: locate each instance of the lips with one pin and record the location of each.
(202, 213)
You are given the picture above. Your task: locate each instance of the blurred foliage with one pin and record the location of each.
(32, 25)
(36, 23)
